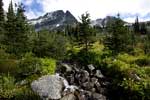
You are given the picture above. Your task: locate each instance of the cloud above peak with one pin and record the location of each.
(128, 9)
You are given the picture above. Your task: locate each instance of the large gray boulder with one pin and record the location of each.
(49, 86)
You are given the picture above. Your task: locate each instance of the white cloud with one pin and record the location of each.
(28, 2)
(31, 15)
(7, 2)
(96, 8)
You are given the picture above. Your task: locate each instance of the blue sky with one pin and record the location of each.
(128, 9)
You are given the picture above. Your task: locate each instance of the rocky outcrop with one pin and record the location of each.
(72, 83)
(49, 86)
(90, 81)
(56, 20)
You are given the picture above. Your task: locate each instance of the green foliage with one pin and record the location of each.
(7, 87)
(136, 26)
(117, 38)
(10, 91)
(48, 66)
(29, 65)
(143, 61)
(121, 70)
(86, 33)
(1, 13)
(10, 26)
(137, 90)
(147, 44)
(25, 93)
(127, 58)
(17, 31)
(2, 20)
(8, 64)
(51, 45)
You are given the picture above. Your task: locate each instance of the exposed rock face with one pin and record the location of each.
(56, 20)
(89, 80)
(48, 86)
(72, 83)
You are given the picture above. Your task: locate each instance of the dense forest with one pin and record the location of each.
(122, 53)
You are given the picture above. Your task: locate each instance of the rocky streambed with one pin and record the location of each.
(72, 82)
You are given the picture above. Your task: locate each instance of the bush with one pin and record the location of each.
(85, 58)
(10, 91)
(137, 90)
(121, 70)
(7, 87)
(25, 93)
(143, 61)
(126, 58)
(8, 64)
(48, 66)
(29, 65)
(51, 45)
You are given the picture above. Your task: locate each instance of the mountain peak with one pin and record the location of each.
(53, 20)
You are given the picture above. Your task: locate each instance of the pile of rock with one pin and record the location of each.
(72, 83)
(90, 81)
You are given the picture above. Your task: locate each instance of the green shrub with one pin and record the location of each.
(85, 58)
(143, 61)
(121, 69)
(48, 44)
(48, 66)
(8, 64)
(25, 93)
(7, 87)
(126, 58)
(29, 65)
(137, 90)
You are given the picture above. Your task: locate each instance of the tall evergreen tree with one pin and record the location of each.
(1, 14)
(2, 21)
(86, 33)
(117, 38)
(143, 29)
(22, 30)
(16, 37)
(136, 26)
(10, 35)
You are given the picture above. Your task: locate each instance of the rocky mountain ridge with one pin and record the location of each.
(54, 20)
(59, 20)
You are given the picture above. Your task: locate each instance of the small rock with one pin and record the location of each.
(68, 68)
(93, 90)
(97, 96)
(98, 87)
(135, 77)
(99, 74)
(94, 80)
(88, 85)
(91, 67)
(69, 97)
(84, 76)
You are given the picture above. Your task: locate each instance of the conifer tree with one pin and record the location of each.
(86, 33)
(10, 35)
(2, 21)
(16, 37)
(136, 26)
(1, 14)
(22, 30)
(116, 40)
